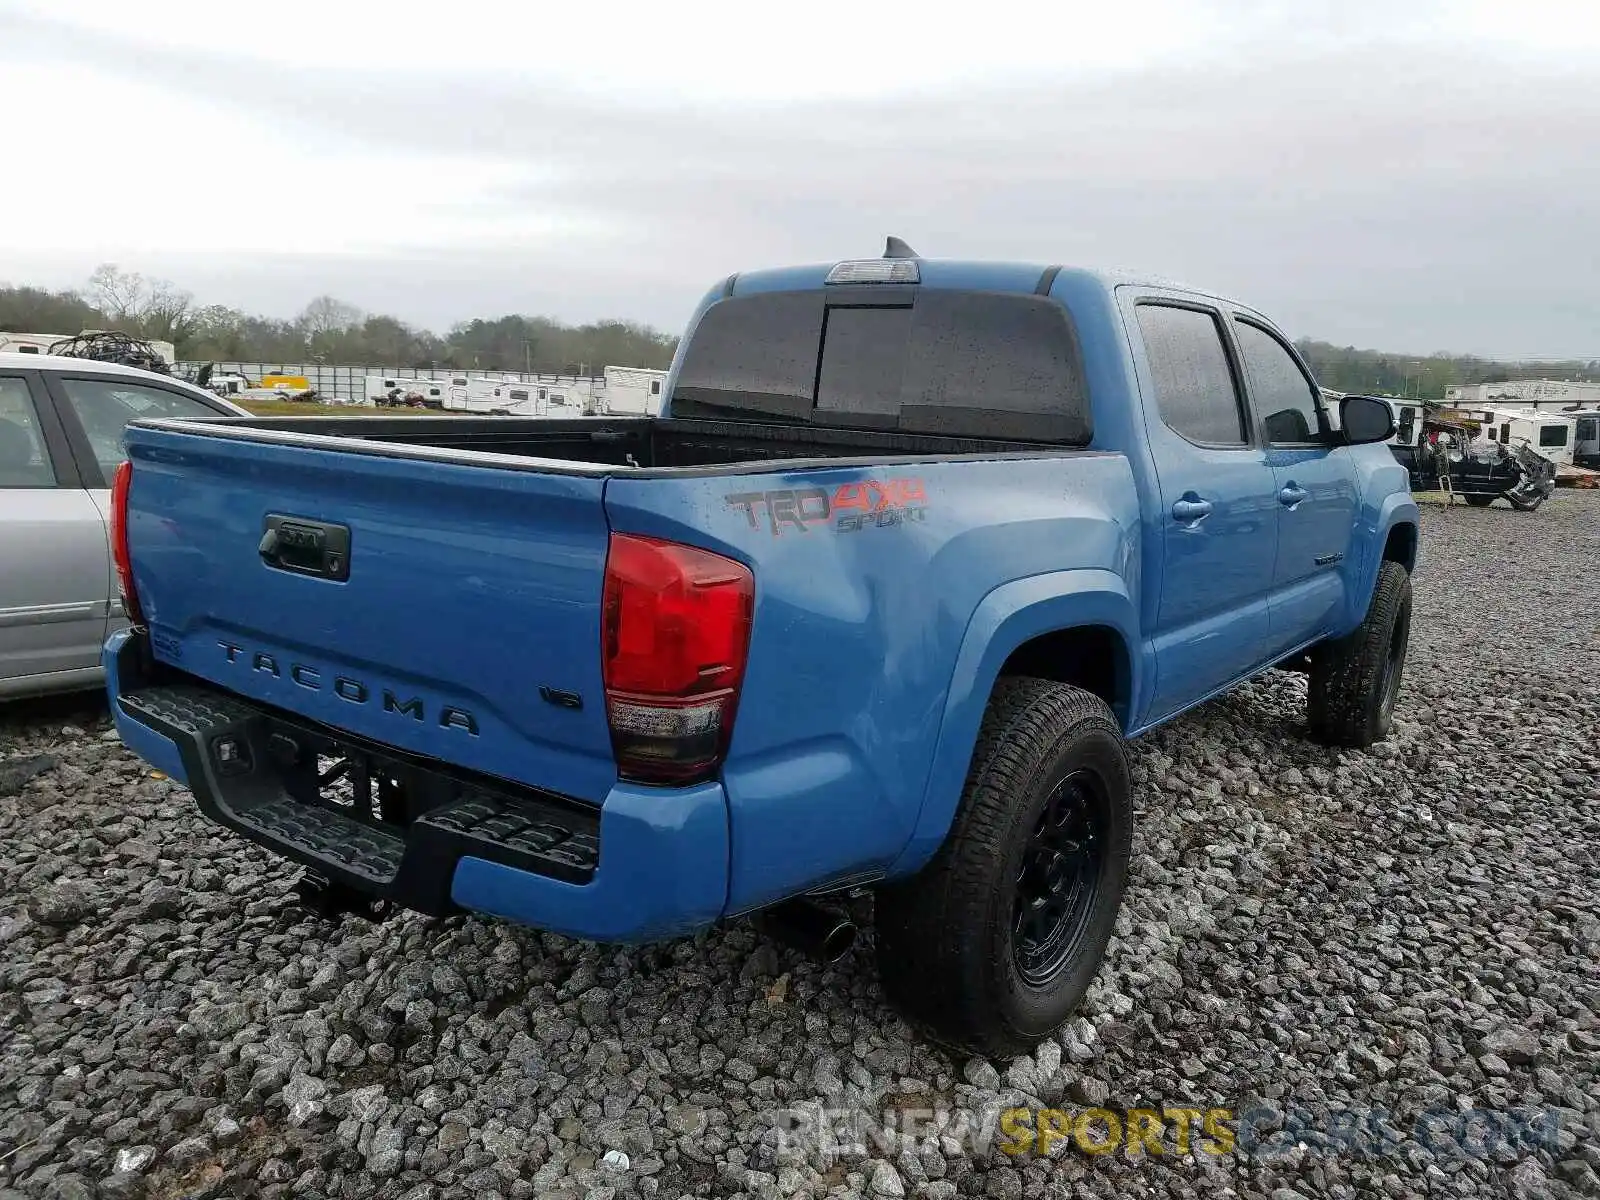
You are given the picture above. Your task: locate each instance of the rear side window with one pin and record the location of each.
(1553, 435)
(24, 462)
(1285, 398)
(987, 365)
(757, 354)
(104, 406)
(1195, 390)
(967, 364)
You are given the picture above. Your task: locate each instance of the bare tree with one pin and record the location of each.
(168, 313)
(326, 315)
(119, 294)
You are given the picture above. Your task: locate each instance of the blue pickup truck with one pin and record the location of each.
(871, 607)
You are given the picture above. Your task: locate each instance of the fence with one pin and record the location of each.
(349, 384)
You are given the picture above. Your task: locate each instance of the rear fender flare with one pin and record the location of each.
(1007, 617)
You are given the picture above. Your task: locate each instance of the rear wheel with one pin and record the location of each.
(1355, 680)
(991, 946)
(1478, 499)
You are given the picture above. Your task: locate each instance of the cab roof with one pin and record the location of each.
(979, 274)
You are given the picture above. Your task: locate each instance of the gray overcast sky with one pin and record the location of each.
(1413, 175)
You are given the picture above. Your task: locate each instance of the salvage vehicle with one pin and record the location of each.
(871, 608)
(1471, 455)
(61, 422)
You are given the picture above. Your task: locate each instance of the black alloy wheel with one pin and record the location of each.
(1060, 870)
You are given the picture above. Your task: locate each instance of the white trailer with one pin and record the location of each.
(389, 391)
(480, 393)
(1547, 434)
(558, 396)
(28, 343)
(40, 343)
(632, 391)
(1542, 395)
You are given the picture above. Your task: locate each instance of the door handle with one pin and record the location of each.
(1189, 511)
(1292, 494)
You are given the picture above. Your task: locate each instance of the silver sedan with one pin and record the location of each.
(61, 422)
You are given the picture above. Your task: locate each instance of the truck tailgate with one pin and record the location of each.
(462, 623)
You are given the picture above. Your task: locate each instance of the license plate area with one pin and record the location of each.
(393, 791)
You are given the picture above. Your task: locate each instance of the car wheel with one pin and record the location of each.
(991, 946)
(1355, 679)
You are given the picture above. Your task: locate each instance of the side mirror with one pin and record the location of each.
(1365, 419)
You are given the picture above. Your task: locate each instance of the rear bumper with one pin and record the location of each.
(648, 864)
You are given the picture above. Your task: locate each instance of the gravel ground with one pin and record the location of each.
(1399, 945)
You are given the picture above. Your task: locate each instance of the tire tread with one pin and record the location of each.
(1342, 704)
(933, 943)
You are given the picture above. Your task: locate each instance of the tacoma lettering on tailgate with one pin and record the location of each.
(354, 691)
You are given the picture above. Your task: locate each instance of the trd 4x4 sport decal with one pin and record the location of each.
(870, 504)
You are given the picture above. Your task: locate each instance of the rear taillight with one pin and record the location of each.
(675, 630)
(119, 542)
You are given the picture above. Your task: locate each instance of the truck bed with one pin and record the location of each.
(424, 598)
(639, 445)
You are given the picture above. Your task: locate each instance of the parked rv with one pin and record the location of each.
(1547, 434)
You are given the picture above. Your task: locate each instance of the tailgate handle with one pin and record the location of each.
(306, 547)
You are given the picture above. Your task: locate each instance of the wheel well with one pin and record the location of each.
(1402, 546)
(1092, 657)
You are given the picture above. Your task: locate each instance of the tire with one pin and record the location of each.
(1478, 499)
(950, 958)
(1355, 680)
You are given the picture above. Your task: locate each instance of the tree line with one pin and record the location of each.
(331, 331)
(1347, 369)
(328, 330)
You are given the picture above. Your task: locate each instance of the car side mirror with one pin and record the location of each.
(1365, 419)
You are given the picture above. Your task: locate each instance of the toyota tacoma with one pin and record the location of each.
(872, 605)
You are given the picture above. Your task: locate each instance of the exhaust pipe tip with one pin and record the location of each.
(837, 942)
(804, 925)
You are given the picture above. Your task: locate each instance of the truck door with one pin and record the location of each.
(1217, 520)
(1315, 492)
